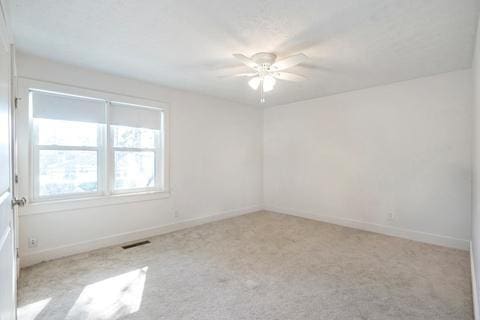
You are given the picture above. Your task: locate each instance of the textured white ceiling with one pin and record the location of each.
(188, 44)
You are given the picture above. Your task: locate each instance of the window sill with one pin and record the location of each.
(90, 202)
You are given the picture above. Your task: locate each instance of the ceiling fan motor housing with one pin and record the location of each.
(264, 59)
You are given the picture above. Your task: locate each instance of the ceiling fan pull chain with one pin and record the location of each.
(262, 93)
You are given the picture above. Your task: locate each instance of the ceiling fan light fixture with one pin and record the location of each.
(268, 83)
(254, 83)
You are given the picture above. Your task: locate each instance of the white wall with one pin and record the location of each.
(351, 159)
(354, 158)
(216, 161)
(476, 171)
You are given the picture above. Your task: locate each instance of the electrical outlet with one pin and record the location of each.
(32, 242)
(176, 214)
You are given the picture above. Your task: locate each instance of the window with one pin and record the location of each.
(136, 142)
(93, 147)
(68, 144)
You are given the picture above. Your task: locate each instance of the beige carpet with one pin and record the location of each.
(257, 266)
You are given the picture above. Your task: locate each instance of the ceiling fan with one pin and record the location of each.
(267, 70)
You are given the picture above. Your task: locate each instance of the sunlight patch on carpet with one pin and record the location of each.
(32, 310)
(111, 298)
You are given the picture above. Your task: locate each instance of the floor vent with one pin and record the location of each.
(141, 243)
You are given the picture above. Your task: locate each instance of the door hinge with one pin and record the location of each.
(16, 178)
(17, 99)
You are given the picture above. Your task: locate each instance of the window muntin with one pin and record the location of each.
(92, 156)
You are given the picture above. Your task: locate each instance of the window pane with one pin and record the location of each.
(65, 172)
(129, 137)
(134, 169)
(66, 133)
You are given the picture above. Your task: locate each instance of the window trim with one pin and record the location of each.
(26, 150)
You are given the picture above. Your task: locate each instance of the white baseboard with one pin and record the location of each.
(81, 247)
(436, 239)
(474, 285)
(85, 246)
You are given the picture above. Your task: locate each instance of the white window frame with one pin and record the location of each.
(36, 148)
(105, 195)
(157, 150)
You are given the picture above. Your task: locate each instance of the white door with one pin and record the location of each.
(7, 228)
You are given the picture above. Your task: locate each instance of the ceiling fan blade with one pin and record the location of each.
(238, 75)
(288, 76)
(246, 60)
(289, 62)
(252, 74)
